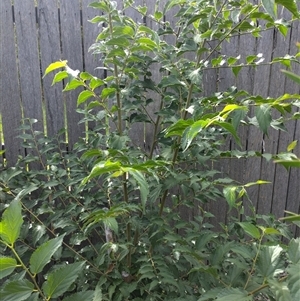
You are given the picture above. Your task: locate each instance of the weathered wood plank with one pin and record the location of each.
(28, 56)
(10, 102)
(50, 52)
(72, 51)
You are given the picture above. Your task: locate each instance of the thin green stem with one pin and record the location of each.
(32, 277)
(254, 262)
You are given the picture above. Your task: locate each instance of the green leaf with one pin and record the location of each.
(142, 9)
(178, 128)
(269, 260)
(230, 195)
(236, 70)
(60, 280)
(86, 296)
(258, 182)
(84, 96)
(294, 250)
(294, 281)
(263, 116)
(280, 290)
(270, 8)
(191, 132)
(96, 82)
(42, 255)
(289, 163)
(59, 76)
(102, 5)
(11, 223)
(73, 84)
(292, 145)
(233, 294)
(97, 294)
(230, 128)
(158, 15)
(56, 65)
(101, 168)
(144, 190)
(7, 266)
(289, 5)
(17, 290)
(119, 41)
(107, 92)
(169, 81)
(250, 229)
(292, 76)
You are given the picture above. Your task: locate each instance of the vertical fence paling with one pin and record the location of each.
(35, 33)
(10, 103)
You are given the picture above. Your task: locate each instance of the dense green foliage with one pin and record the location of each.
(103, 221)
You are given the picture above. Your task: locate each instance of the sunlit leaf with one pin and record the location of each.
(11, 223)
(7, 266)
(84, 96)
(55, 65)
(292, 145)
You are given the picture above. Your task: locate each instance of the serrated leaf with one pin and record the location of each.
(250, 229)
(97, 294)
(7, 266)
(280, 290)
(17, 290)
(55, 65)
(294, 281)
(269, 260)
(11, 223)
(84, 96)
(60, 280)
(264, 118)
(294, 250)
(292, 145)
(86, 296)
(233, 294)
(42, 255)
(270, 8)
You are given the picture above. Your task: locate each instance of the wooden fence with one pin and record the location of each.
(34, 33)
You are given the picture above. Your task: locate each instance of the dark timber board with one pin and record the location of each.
(49, 40)
(71, 37)
(10, 103)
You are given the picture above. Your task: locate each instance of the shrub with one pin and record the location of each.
(104, 221)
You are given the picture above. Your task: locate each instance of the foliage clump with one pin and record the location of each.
(104, 221)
